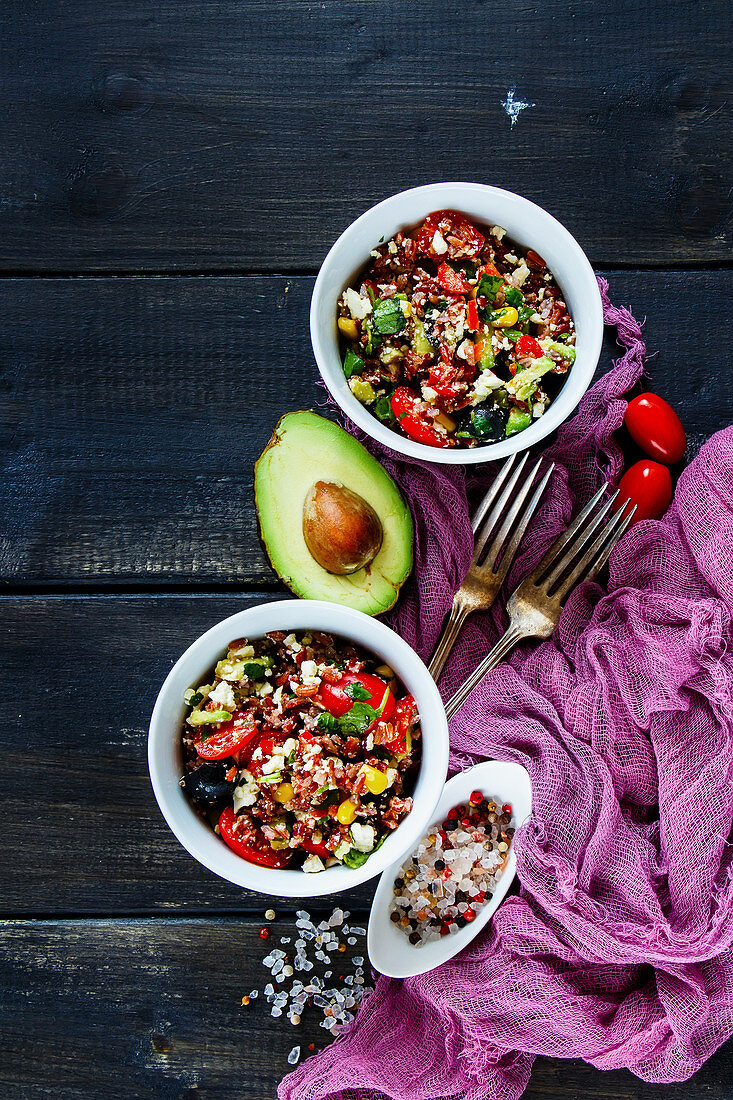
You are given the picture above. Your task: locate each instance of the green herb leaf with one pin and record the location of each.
(358, 859)
(356, 690)
(382, 408)
(488, 286)
(254, 670)
(326, 722)
(468, 267)
(195, 699)
(357, 719)
(514, 296)
(353, 364)
(387, 316)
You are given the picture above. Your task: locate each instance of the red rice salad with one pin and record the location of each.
(454, 336)
(301, 751)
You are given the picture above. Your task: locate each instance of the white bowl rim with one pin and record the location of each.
(389, 950)
(198, 838)
(581, 373)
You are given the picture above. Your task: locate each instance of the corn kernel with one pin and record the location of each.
(376, 781)
(284, 793)
(348, 328)
(346, 812)
(507, 317)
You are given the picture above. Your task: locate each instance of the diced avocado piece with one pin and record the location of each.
(525, 382)
(306, 448)
(518, 421)
(362, 391)
(208, 717)
(420, 343)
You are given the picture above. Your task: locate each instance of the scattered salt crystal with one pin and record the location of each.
(352, 940)
(275, 1011)
(357, 930)
(294, 1056)
(357, 960)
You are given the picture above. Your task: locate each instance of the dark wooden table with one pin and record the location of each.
(172, 175)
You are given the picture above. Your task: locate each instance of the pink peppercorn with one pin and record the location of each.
(476, 797)
(264, 933)
(469, 914)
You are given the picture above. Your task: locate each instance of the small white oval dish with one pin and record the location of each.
(390, 951)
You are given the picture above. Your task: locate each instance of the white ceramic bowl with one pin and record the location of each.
(527, 224)
(390, 950)
(165, 756)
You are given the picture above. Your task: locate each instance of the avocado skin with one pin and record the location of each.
(303, 449)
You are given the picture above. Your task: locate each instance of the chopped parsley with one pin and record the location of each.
(387, 316)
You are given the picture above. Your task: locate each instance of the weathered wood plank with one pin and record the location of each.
(133, 411)
(136, 1009)
(235, 139)
(81, 830)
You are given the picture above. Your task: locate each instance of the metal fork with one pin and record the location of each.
(535, 606)
(484, 579)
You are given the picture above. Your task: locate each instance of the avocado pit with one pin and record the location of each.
(342, 531)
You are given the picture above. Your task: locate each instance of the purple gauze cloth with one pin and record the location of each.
(619, 947)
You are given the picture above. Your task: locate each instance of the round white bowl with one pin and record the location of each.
(527, 224)
(165, 754)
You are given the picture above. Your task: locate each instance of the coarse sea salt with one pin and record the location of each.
(442, 886)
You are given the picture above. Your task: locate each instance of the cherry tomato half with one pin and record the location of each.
(228, 739)
(462, 238)
(337, 701)
(649, 486)
(405, 405)
(656, 427)
(528, 348)
(255, 851)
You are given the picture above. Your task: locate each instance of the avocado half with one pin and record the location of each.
(306, 448)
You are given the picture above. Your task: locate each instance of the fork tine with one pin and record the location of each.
(574, 548)
(483, 535)
(492, 492)
(529, 511)
(506, 526)
(597, 553)
(559, 545)
(606, 554)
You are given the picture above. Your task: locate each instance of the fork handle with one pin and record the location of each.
(456, 618)
(503, 647)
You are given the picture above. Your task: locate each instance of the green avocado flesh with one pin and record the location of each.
(304, 449)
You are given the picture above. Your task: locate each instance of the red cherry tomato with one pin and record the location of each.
(649, 486)
(656, 427)
(255, 848)
(452, 281)
(528, 348)
(472, 316)
(405, 405)
(316, 849)
(462, 238)
(228, 739)
(337, 701)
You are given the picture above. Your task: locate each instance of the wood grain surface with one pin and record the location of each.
(137, 1009)
(247, 135)
(171, 176)
(131, 437)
